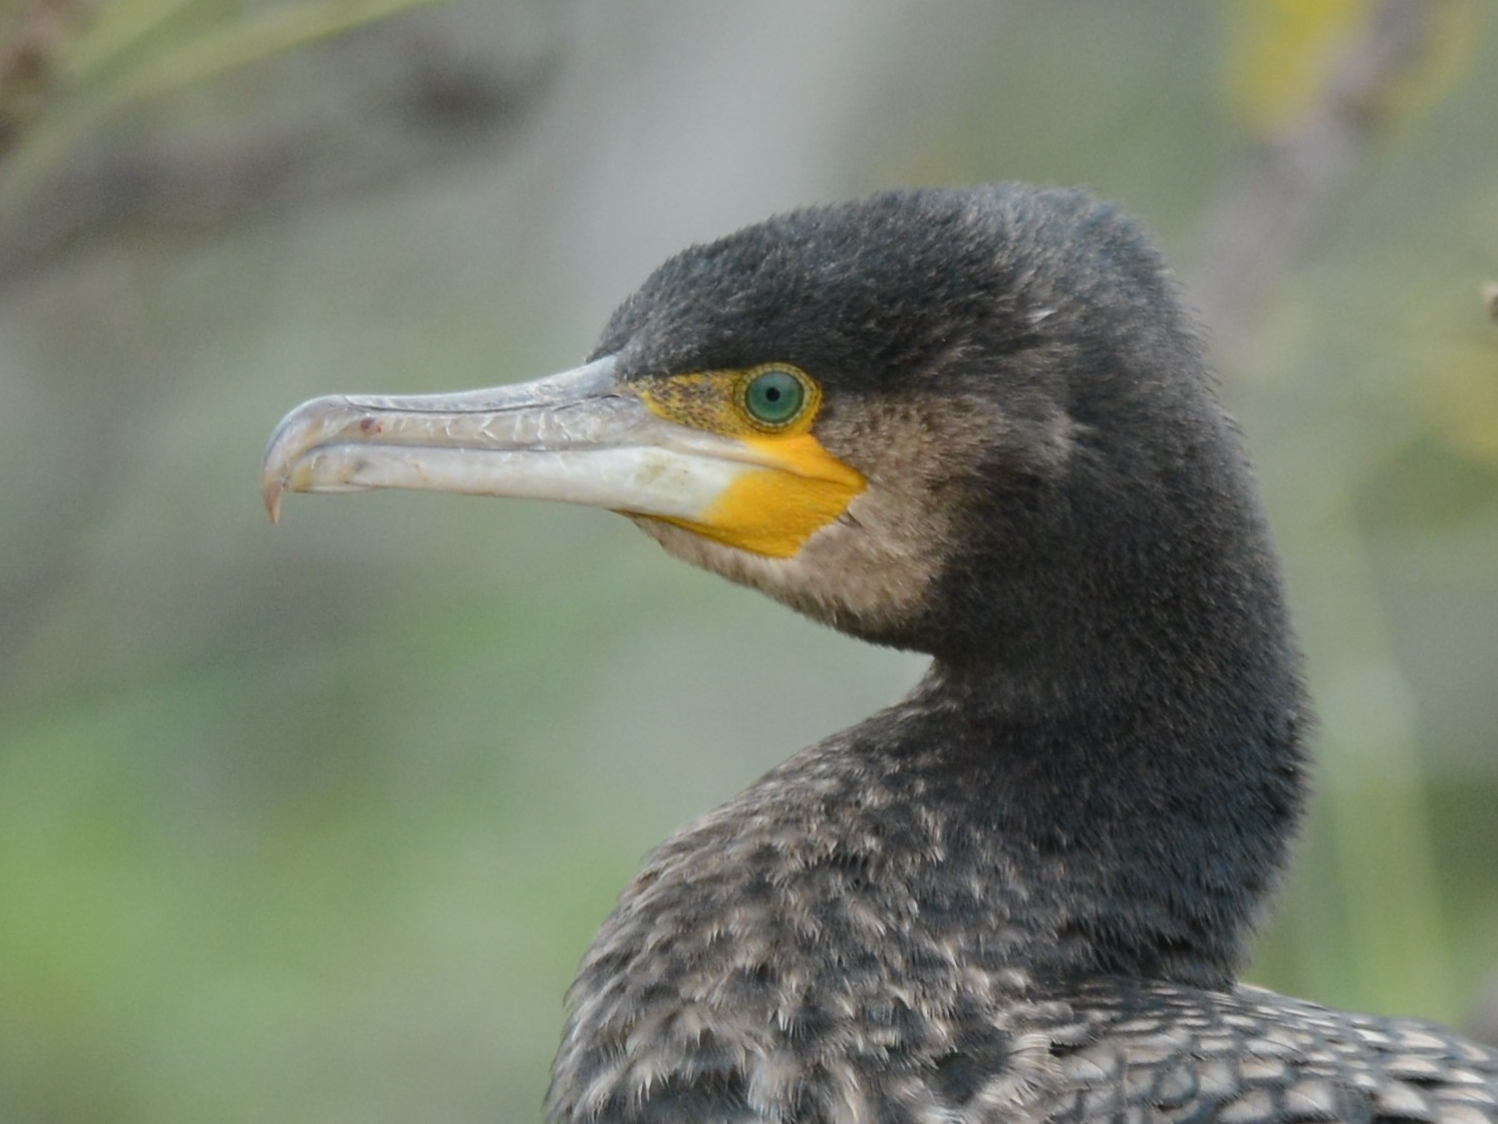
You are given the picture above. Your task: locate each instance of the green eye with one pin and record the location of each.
(774, 396)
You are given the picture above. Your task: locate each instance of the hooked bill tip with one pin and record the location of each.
(295, 434)
(271, 490)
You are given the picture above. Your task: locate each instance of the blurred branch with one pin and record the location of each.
(428, 95)
(115, 30)
(1374, 807)
(1256, 231)
(207, 55)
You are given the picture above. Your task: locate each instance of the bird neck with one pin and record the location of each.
(1115, 729)
(1143, 818)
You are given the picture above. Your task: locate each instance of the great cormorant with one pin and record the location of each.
(975, 423)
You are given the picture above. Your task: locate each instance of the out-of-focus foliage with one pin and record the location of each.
(1279, 52)
(313, 823)
(75, 64)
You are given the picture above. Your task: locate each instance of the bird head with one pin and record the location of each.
(876, 412)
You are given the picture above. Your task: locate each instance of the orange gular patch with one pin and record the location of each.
(797, 487)
(773, 511)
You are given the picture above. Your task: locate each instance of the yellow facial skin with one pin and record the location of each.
(775, 509)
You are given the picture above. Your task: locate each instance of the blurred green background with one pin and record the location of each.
(313, 823)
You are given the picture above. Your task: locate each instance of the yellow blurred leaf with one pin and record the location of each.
(1452, 345)
(1280, 55)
